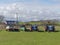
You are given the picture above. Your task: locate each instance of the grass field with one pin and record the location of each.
(29, 38)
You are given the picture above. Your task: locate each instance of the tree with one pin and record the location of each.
(1, 18)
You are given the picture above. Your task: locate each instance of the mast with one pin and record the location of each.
(16, 14)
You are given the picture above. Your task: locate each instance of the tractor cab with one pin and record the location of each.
(22, 28)
(28, 27)
(34, 27)
(50, 28)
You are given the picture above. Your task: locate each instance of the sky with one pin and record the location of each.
(49, 2)
(30, 10)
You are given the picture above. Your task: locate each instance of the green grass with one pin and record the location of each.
(29, 38)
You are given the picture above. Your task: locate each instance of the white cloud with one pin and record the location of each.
(30, 12)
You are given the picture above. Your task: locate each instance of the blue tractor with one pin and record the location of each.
(34, 27)
(50, 28)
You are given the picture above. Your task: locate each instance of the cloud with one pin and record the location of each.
(30, 12)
